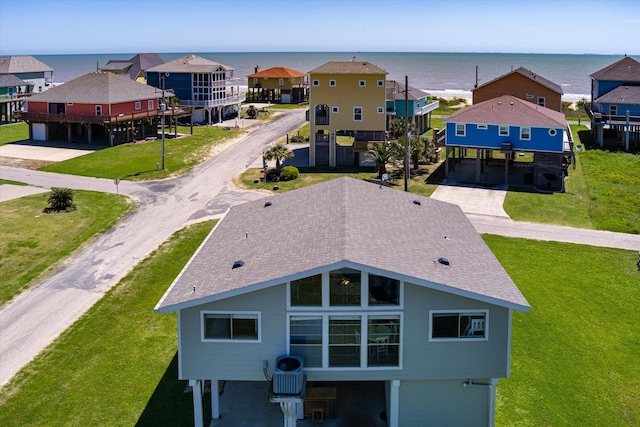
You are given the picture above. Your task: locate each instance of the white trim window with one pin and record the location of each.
(380, 83)
(503, 130)
(458, 325)
(316, 82)
(150, 104)
(332, 83)
(553, 132)
(613, 110)
(138, 105)
(542, 101)
(335, 110)
(224, 326)
(483, 127)
(255, 80)
(357, 114)
(460, 129)
(525, 133)
(362, 83)
(380, 110)
(281, 82)
(98, 110)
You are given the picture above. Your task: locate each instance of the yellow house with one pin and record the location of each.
(346, 112)
(277, 84)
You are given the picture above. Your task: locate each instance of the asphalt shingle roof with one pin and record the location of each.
(395, 90)
(627, 95)
(189, 64)
(349, 222)
(348, 67)
(278, 73)
(625, 70)
(98, 88)
(21, 64)
(530, 75)
(509, 110)
(9, 80)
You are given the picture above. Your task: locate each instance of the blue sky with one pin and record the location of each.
(132, 26)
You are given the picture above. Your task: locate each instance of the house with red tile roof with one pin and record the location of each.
(498, 129)
(615, 105)
(278, 85)
(524, 84)
(103, 108)
(295, 290)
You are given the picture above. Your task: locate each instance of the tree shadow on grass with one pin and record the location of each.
(169, 404)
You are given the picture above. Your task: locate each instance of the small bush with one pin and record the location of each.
(60, 200)
(297, 138)
(289, 173)
(272, 175)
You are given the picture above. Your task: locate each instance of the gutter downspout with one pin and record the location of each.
(492, 384)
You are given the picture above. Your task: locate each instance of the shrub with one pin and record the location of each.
(60, 200)
(289, 173)
(297, 138)
(252, 112)
(272, 175)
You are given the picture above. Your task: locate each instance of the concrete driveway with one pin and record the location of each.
(10, 191)
(473, 199)
(49, 151)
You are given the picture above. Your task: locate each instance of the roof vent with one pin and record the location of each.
(267, 204)
(237, 264)
(417, 202)
(443, 261)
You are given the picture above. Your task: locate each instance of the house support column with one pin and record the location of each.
(478, 164)
(332, 149)
(626, 134)
(493, 383)
(196, 387)
(506, 168)
(446, 161)
(215, 400)
(600, 135)
(393, 413)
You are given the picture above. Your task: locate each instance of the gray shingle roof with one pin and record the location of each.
(22, 64)
(98, 88)
(623, 95)
(138, 63)
(337, 223)
(189, 64)
(395, 90)
(9, 80)
(625, 70)
(348, 67)
(531, 76)
(509, 110)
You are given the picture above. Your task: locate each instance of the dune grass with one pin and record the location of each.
(574, 359)
(140, 161)
(573, 355)
(116, 365)
(33, 242)
(13, 132)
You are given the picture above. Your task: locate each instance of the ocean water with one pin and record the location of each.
(452, 74)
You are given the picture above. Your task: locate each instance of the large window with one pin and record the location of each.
(222, 326)
(344, 287)
(307, 291)
(305, 338)
(461, 325)
(525, 133)
(344, 341)
(383, 340)
(383, 290)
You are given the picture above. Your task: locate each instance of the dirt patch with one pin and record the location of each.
(23, 163)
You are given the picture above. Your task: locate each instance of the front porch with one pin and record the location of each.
(246, 404)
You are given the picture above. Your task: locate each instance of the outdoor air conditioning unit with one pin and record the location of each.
(287, 375)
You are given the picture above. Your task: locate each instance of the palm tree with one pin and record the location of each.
(380, 155)
(279, 153)
(60, 199)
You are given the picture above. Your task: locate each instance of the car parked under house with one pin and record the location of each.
(360, 283)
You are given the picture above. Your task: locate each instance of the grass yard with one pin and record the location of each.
(138, 161)
(117, 365)
(575, 355)
(32, 242)
(13, 132)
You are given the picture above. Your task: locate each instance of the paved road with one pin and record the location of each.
(35, 318)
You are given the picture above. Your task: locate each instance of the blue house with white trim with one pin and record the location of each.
(509, 125)
(420, 105)
(615, 104)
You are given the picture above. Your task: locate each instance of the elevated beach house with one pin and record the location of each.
(523, 84)
(420, 105)
(101, 108)
(500, 132)
(35, 74)
(615, 105)
(134, 67)
(347, 112)
(277, 84)
(210, 88)
(347, 281)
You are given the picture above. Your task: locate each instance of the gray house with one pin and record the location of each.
(350, 281)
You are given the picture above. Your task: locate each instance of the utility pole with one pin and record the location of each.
(406, 133)
(163, 108)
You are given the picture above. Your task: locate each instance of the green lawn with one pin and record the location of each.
(573, 356)
(13, 132)
(117, 365)
(140, 161)
(32, 242)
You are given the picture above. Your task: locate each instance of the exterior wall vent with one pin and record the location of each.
(288, 377)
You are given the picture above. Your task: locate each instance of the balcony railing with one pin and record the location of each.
(81, 118)
(322, 120)
(227, 100)
(597, 117)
